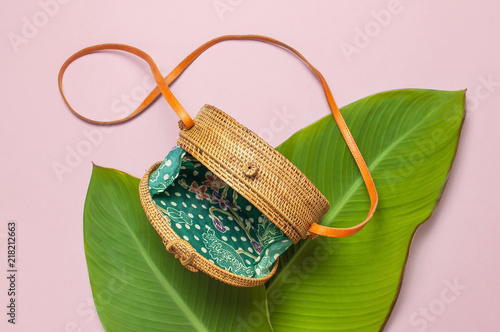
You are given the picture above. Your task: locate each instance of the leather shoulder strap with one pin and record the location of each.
(163, 88)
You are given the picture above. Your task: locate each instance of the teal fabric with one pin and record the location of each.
(220, 224)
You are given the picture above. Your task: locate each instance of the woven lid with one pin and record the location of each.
(255, 170)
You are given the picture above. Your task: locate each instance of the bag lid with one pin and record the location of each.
(256, 170)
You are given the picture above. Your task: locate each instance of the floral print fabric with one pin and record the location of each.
(220, 224)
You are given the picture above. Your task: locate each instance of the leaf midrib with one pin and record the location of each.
(192, 318)
(354, 187)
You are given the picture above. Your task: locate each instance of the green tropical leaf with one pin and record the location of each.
(409, 140)
(138, 286)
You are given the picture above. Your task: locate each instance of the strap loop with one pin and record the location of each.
(162, 88)
(162, 84)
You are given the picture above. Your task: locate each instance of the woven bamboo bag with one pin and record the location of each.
(223, 201)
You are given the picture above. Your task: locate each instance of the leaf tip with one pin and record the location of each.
(96, 168)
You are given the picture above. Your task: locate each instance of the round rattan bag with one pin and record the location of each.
(223, 201)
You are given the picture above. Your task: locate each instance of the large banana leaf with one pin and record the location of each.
(409, 140)
(138, 286)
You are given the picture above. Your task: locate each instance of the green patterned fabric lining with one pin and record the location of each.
(220, 224)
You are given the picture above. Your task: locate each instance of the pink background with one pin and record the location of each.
(447, 45)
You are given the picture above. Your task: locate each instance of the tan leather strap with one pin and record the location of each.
(162, 88)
